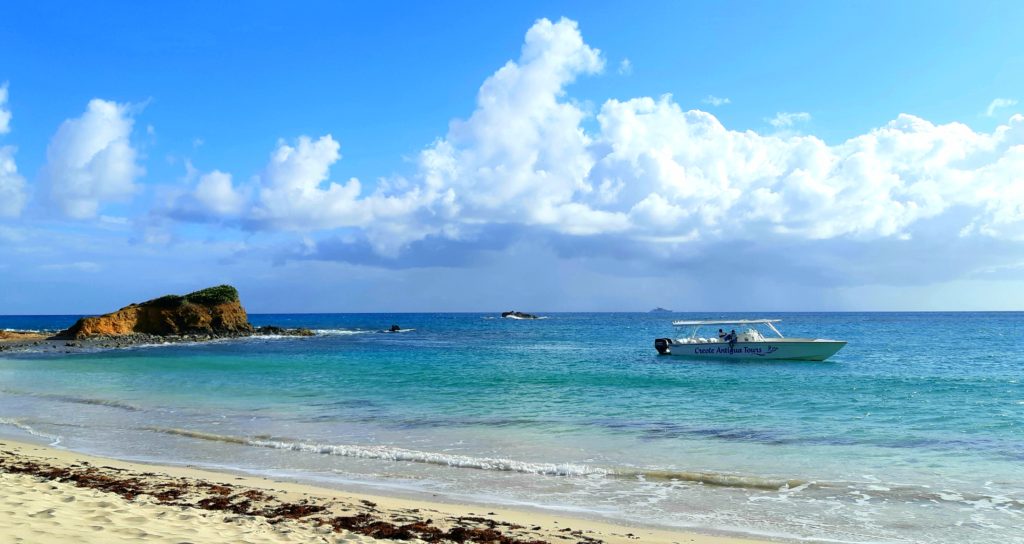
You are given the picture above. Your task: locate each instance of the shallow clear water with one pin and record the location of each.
(912, 433)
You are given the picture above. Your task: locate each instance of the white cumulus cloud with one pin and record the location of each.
(5, 114)
(90, 160)
(519, 157)
(733, 184)
(12, 185)
(999, 103)
(625, 67)
(716, 100)
(215, 193)
(522, 155)
(785, 119)
(295, 192)
(651, 174)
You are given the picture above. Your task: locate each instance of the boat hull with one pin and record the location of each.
(783, 349)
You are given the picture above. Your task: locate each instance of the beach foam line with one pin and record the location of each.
(20, 424)
(709, 478)
(389, 453)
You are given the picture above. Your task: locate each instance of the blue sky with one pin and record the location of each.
(542, 156)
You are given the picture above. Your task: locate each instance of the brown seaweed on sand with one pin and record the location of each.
(364, 518)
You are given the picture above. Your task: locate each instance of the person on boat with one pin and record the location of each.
(731, 338)
(721, 335)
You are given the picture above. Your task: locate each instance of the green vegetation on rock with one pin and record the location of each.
(213, 295)
(208, 297)
(166, 301)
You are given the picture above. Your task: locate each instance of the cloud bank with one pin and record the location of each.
(639, 186)
(652, 177)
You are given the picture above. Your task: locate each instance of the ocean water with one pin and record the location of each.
(914, 432)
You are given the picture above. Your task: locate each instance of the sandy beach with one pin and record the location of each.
(53, 495)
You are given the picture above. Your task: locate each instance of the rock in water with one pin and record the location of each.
(212, 311)
(518, 315)
(273, 330)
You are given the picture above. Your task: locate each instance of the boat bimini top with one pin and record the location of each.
(698, 324)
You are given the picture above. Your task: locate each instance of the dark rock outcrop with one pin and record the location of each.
(518, 315)
(660, 310)
(215, 311)
(272, 330)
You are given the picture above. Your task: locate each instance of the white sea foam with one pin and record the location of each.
(340, 332)
(787, 487)
(55, 439)
(388, 453)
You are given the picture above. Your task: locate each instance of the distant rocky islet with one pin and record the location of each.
(518, 315)
(208, 314)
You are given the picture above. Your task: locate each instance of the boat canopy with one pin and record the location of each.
(698, 324)
(726, 322)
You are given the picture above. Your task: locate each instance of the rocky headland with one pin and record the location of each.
(208, 314)
(213, 311)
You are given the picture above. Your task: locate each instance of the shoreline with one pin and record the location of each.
(18, 341)
(278, 510)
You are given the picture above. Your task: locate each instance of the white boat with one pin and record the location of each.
(748, 344)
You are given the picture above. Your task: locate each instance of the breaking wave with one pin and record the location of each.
(341, 332)
(389, 453)
(55, 439)
(708, 478)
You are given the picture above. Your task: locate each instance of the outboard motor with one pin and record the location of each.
(663, 345)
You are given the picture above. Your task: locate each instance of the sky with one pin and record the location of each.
(538, 156)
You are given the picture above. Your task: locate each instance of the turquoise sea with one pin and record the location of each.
(912, 433)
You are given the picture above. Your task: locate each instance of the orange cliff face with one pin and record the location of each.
(216, 311)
